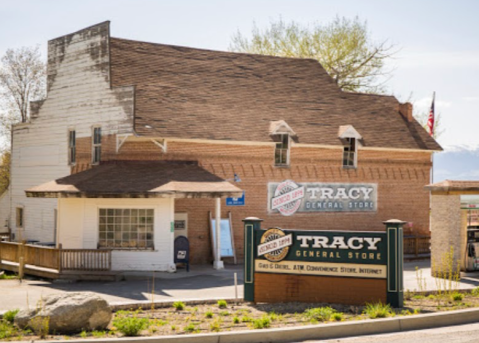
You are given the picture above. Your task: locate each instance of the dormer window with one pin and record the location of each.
(281, 151)
(350, 138)
(350, 156)
(281, 133)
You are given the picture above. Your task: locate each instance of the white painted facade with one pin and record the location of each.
(78, 223)
(79, 97)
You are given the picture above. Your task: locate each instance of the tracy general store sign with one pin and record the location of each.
(347, 259)
(289, 197)
(328, 253)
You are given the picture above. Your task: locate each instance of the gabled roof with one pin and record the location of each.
(280, 127)
(455, 185)
(139, 179)
(348, 131)
(191, 93)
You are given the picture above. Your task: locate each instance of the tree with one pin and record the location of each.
(4, 171)
(22, 79)
(344, 48)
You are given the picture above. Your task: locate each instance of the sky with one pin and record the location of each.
(438, 41)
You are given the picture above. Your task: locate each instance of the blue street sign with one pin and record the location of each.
(235, 201)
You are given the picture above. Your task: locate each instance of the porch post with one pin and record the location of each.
(218, 264)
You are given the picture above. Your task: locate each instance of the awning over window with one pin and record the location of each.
(139, 179)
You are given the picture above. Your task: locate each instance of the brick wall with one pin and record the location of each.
(401, 177)
(273, 288)
(449, 230)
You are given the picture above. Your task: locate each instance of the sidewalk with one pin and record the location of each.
(202, 282)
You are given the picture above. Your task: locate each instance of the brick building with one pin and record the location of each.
(123, 117)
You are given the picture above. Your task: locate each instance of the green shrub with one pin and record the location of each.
(209, 314)
(179, 305)
(418, 296)
(222, 304)
(377, 310)
(224, 313)
(261, 323)
(190, 328)
(83, 334)
(337, 316)
(236, 320)
(475, 292)
(9, 316)
(40, 325)
(457, 296)
(7, 330)
(322, 314)
(216, 325)
(246, 319)
(130, 326)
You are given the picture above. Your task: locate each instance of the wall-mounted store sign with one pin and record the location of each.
(289, 197)
(367, 263)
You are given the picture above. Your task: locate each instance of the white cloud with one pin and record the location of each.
(471, 98)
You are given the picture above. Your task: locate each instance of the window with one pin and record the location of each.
(96, 143)
(19, 217)
(350, 153)
(72, 145)
(281, 151)
(126, 228)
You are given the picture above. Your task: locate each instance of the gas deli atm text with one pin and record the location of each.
(346, 254)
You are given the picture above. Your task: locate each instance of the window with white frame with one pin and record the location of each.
(350, 153)
(126, 228)
(19, 217)
(281, 151)
(72, 146)
(96, 145)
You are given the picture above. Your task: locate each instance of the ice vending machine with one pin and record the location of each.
(472, 249)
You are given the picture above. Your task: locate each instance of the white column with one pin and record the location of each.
(218, 264)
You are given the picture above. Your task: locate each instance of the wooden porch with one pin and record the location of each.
(56, 263)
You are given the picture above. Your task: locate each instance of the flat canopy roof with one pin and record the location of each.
(139, 179)
(454, 186)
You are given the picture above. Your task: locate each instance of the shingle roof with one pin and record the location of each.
(454, 185)
(201, 94)
(175, 179)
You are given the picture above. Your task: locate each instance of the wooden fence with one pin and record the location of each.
(56, 258)
(417, 245)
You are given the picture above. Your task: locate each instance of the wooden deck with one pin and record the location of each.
(57, 263)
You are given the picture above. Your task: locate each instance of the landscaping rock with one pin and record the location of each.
(69, 313)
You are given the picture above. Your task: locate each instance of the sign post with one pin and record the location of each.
(251, 224)
(394, 230)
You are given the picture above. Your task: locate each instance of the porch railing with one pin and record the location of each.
(85, 260)
(56, 258)
(417, 245)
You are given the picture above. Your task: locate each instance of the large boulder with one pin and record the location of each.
(69, 313)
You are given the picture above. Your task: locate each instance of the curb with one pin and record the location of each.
(322, 331)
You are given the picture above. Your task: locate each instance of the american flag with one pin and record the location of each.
(430, 120)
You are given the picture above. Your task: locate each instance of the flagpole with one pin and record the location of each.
(432, 157)
(432, 133)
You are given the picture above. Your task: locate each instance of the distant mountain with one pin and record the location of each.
(457, 163)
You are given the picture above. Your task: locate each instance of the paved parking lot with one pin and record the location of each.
(203, 282)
